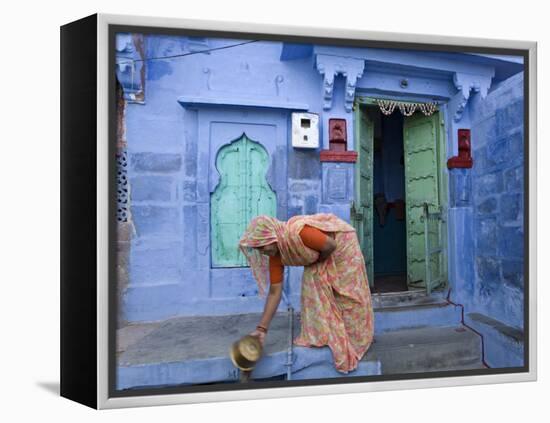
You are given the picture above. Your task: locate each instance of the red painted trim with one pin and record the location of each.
(338, 156)
(464, 158)
(338, 136)
(460, 162)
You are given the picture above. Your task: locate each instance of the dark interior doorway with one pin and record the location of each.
(389, 226)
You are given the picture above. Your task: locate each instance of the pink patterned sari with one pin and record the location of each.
(336, 307)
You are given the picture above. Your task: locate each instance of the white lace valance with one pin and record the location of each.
(407, 109)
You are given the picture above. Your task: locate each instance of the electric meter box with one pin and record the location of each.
(305, 130)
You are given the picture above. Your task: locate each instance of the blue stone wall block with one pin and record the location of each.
(460, 187)
(497, 183)
(311, 204)
(513, 179)
(156, 266)
(155, 162)
(488, 206)
(509, 117)
(189, 190)
(149, 303)
(304, 164)
(488, 184)
(337, 189)
(511, 208)
(151, 188)
(232, 283)
(190, 140)
(190, 233)
(510, 242)
(512, 273)
(155, 220)
(486, 236)
(461, 253)
(484, 130)
(488, 275)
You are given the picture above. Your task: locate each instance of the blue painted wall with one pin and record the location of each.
(194, 105)
(172, 146)
(487, 226)
(497, 200)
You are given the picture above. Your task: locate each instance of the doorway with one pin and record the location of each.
(389, 225)
(400, 185)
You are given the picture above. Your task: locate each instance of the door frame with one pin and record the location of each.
(362, 101)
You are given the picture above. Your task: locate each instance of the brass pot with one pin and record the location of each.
(246, 352)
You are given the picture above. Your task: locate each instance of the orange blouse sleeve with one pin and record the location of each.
(276, 269)
(313, 237)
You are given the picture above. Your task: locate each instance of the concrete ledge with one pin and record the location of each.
(307, 364)
(193, 350)
(176, 373)
(503, 343)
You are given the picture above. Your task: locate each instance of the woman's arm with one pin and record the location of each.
(322, 242)
(271, 304)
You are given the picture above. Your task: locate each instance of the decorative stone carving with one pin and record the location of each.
(329, 67)
(466, 83)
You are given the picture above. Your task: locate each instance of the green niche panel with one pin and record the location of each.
(242, 193)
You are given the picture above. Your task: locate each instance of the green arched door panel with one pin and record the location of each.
(242, 193)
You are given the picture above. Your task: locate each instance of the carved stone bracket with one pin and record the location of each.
(466, 83)
(130, 66)
(329, 67)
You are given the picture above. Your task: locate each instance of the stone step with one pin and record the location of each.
(433, 314)
(412, 297)
(426, 349)
(413, 308)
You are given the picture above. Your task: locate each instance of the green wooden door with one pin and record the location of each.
(242, 193)
(423, 182)
(362, 211)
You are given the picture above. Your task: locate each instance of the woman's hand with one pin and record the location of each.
(260, 335)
